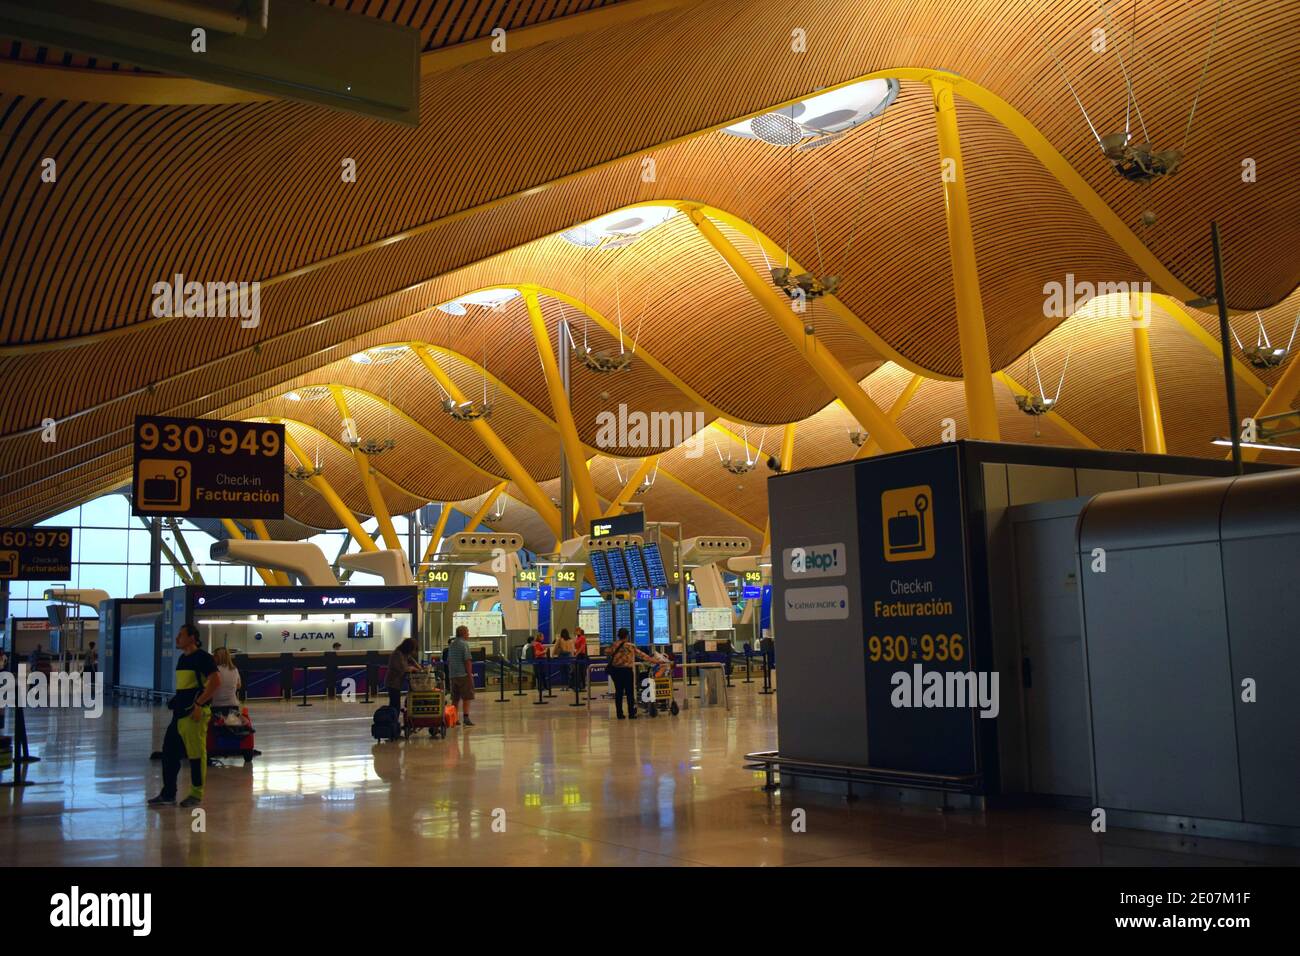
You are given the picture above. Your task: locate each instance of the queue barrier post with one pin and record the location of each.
(501, 680)
(767, 677)
(749, 656)
(537, 673)
(306, 672)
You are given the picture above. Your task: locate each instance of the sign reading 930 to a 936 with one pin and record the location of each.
(205, 468)
(35, 554)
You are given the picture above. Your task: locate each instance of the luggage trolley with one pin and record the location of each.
(424, 705)
(665, 691)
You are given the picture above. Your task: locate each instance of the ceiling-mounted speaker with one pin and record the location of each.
(295, 49)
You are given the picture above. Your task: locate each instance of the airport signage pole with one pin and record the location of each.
(1225, 344)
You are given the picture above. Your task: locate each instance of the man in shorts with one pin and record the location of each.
(460, 671)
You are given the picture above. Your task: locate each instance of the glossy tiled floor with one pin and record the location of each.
(571, 788)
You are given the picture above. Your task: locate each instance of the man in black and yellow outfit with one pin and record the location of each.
(197, 681)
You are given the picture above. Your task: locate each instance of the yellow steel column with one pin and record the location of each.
(827, 367)
(976, 370)
(530, 489)
(630, 486)
(872, 447)
(232, 529)
(1279, 400)
(1153, 429)
(438, 529)
(322, 488)
(486, 506)
(787, 461)
(264, 534)
(376, 498)
(574, 454)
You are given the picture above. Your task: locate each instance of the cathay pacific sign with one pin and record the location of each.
(814, 561)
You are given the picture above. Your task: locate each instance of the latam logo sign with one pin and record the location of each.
(814, 561)
(327, 601)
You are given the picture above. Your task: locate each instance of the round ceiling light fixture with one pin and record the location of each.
(619, 228)
(487, 298)
(379, 355)
(821, 118)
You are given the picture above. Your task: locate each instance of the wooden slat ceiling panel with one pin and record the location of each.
(108, 141)
(237, 213)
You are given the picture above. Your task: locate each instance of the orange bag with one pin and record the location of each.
(449, 715)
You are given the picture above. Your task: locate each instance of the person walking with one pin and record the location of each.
(400, 662)
(197, 681)
(622, 658)
(92, 659)
(460, 672)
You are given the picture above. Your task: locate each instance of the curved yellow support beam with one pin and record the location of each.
(1197, 331)
(976, 366)
(488, 500)
(631, 485)
(377, 504)
(828, 369)
(575, 457)
(872, 447)
(1054, 417)
(1279, 400)
(538, 499)
(1014, 121)
(1153, 426)
(322, 488)
(232, 529)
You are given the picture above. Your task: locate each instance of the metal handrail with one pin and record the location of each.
(769, 760)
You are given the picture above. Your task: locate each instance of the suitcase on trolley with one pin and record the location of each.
(229, 737)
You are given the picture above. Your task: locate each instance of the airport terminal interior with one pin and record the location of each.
(650, 433)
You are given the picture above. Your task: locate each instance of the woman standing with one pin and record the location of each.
(622, 657)
(226, 698)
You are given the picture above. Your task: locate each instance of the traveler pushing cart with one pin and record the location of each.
(424, 705)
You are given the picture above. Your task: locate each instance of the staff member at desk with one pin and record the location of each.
(400, 662)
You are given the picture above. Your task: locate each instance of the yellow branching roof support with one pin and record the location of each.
(1279, 399)
(234, 532)
(631, 485)
(832, 373)
(872, 447)
(574, 454)
(373, 494)
(976, 366)
(531, 490)
(322, 488)
(1153, 429)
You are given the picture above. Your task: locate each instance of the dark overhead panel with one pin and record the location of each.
(294, 49)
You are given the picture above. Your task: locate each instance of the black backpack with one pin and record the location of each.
(386, 725)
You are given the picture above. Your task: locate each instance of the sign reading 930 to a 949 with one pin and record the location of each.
(206, 468)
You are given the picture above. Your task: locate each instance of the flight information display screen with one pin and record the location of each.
(636, 567)
(622, 616)
(618, 570)
(654, 565)
(659, 620)
(641, 620)
(600, 571)
(606, 631)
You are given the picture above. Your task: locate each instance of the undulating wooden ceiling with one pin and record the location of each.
(514, 148)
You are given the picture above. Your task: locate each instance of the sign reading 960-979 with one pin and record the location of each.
(35, 554)
(205, 468)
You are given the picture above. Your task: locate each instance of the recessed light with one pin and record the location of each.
(819, 118)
